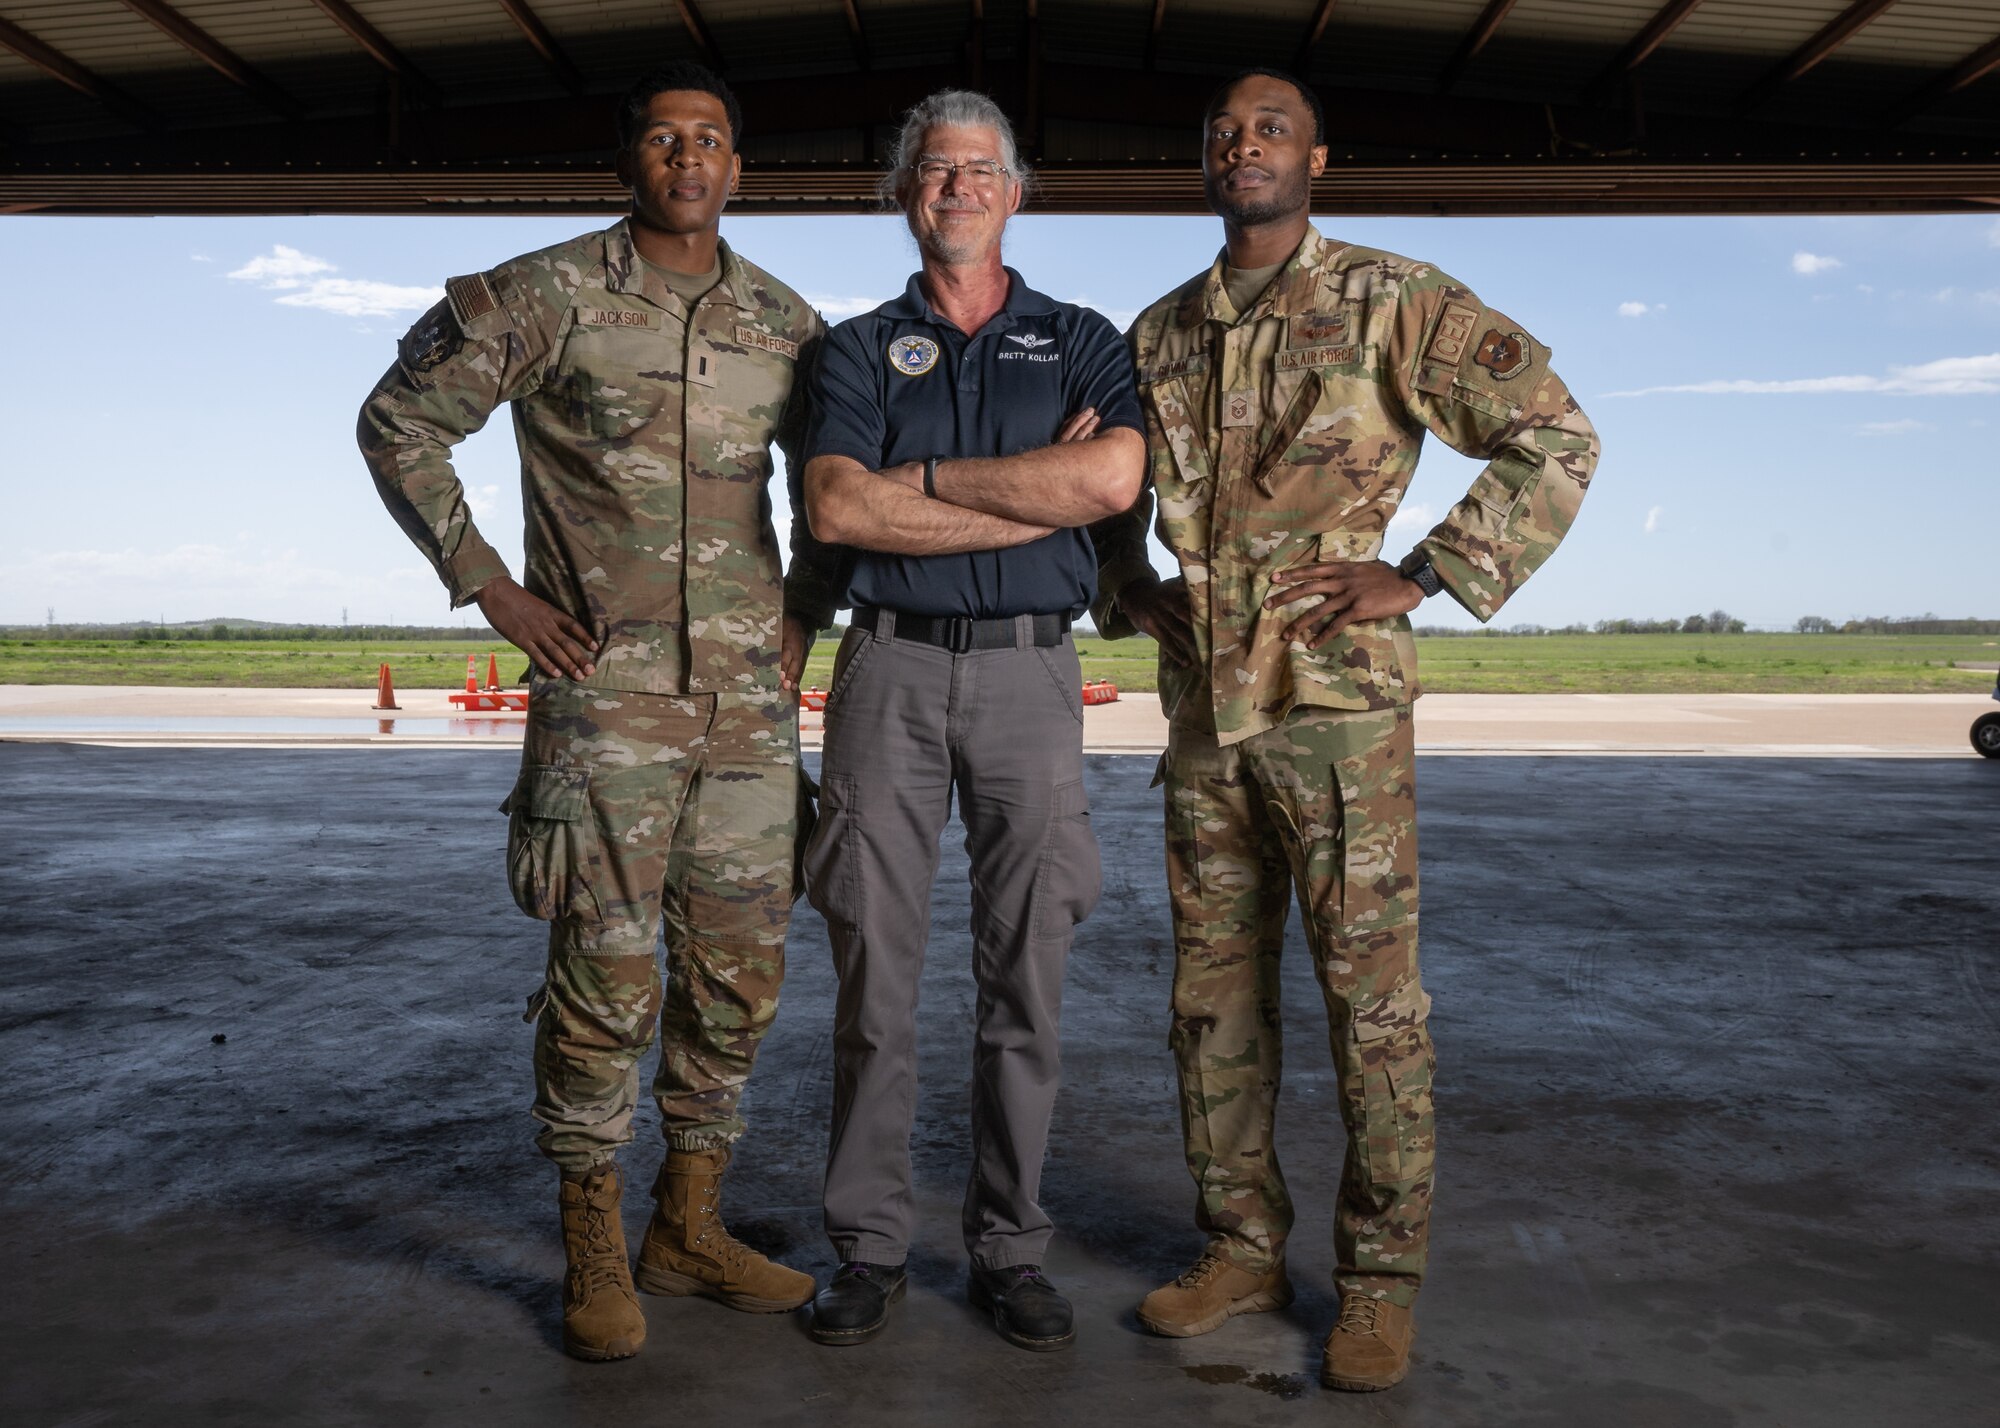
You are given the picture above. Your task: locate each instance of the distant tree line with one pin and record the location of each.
(1721, 622)
(143, 633)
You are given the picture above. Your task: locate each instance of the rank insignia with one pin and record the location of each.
(913, 356)
(1504, 354)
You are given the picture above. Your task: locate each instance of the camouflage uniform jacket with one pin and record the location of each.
(645, 433)
(1291, 435)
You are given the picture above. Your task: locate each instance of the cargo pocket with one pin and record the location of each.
(550, 841)
(831, 862)
(847, 660)
(1071, 875)
(802, 830)
(1377, 890)
(1393, 1049)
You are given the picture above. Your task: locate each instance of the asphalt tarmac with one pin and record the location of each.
(1717, 1076)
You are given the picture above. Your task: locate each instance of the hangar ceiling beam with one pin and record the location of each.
(215, 55)
(1665, 21)
(854, 30)
(356, 28)
(1837, 32)
(1153, 32)
(1474, 41)
(1975, 66)
(537, 34)
(697, 29)
(59, 66)
(1321, 14)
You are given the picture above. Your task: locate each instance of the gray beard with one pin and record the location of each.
(1254, 212)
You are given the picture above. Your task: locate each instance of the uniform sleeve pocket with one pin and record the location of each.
(550, 838)
(1071, 875)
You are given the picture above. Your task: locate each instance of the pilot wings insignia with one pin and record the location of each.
(1030, 341)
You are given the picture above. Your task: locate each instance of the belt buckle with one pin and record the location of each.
(958, 634)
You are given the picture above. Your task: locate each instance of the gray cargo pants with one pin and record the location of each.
(906, 725)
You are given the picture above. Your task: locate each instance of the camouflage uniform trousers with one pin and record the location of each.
(635, 810)
(1325, 803)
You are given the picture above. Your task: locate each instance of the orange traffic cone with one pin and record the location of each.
(472, 674)
(385, 691)
(493, 671)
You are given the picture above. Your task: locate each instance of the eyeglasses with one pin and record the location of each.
(939, 172)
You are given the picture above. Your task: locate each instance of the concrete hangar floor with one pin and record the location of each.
(1717, 1044)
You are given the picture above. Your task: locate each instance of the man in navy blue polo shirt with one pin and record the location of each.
(963, 437)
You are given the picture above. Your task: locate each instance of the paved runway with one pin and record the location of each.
(1717, 1045)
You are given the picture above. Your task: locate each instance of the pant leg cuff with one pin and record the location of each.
(1390, 1289)
(1009, 1259)
(870, 1252)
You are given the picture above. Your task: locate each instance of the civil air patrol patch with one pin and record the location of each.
(913, 356)
(1504, 354)
(436, 338)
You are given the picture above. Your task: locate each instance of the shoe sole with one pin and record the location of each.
(1262, 1302)
(842, 1338)
(593, 1354)
(1330, 1379)
(666, 1282)
(981, 1300)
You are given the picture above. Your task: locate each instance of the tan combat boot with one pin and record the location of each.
(601, 1318)
(687, 1250)
(1209, 1293)
(1369, 1348)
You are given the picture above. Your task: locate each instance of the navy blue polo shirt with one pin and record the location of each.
(902, 384)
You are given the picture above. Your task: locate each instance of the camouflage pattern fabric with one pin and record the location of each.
(633, 812)
(645, 431)
(1324, 804)
(1289, 434)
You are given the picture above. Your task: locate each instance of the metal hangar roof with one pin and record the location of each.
(1433, 106)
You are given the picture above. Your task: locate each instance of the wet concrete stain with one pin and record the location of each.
(1279, 1385)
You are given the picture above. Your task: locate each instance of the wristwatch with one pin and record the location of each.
(930, 477)
(1417, 567)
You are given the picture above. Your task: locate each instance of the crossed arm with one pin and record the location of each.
(981, 504)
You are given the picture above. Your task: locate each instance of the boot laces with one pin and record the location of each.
(1203, 1270)
(714, 1236)
(600, 1266)
(1360, 1315)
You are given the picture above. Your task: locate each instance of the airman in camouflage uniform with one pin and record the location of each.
(1284, 426)
(659, 779)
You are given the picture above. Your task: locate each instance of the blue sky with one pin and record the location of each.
(1798, 413)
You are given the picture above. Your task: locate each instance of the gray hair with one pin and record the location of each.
(951, 109)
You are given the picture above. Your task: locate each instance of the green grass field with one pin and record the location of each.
(1479, 664)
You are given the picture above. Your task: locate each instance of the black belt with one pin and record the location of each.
(961, 634)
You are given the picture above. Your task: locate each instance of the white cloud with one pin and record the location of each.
(1901, 427)
(282, 267)
(1653, 518)
(200, 258)
(1993, 233)
(1946, 377)
(845, 306)
(1806, 264)
(1865, 289)
(1411, 523)
(298, 276)
(1119, 317)
(1633, 309)
(361, 297)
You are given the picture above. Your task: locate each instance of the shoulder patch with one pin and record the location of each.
(435, 338)
(766, 341)
(1504, 354)
(1454, 333)
(471, 297)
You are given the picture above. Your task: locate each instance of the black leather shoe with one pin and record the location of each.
(1027, 1309)
(855, 1303)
